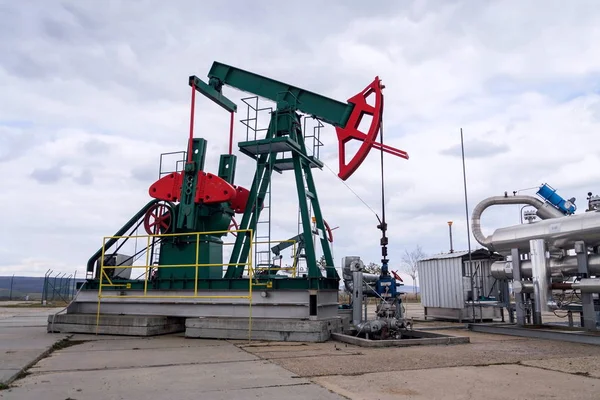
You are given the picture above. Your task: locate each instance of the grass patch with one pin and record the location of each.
(3, 386)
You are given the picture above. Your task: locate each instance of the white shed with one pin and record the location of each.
(451, 286)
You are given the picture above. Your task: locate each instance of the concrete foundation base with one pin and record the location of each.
(412, 338)
(566, 334)
(462, 314)
(126, 325)
(271, 329)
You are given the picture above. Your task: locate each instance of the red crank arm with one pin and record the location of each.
(350, 131)
(390, 150)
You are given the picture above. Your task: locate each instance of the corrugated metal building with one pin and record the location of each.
(446, 288)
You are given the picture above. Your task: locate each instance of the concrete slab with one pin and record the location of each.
(496, 382)
(421, 357)
(585, 366)
(480, 337)
(278, 351)
(8, 375)
(21, 322)
(118, 359)
(26, 338)
(275, 329)
(23, 341)
(426, 339)
(230, 380)
(163, 342)
(546, 332)
(126, 325)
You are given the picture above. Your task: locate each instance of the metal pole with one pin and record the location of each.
(45, 288)
(462, 148)
(74, 284)
(11, 286)
(450, 230)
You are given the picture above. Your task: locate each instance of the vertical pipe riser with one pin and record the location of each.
(519, 306)
(541, 282)
(357, 296)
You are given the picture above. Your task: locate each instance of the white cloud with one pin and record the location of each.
(90, 96)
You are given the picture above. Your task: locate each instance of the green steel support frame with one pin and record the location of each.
(284, 135)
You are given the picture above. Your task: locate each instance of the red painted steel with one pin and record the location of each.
(211, 189)
(241, 199)
(167, 188)
(157, 219)
(351, 131)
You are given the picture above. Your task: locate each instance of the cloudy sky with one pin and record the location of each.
(92, 94)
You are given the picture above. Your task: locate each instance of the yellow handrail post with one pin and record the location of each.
(100, 284)
(197, 254)
(147, 266)
(295, 263)
(250, 275)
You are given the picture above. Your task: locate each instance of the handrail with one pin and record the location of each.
(112, 239)
(119, 233)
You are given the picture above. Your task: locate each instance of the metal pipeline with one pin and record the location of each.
(562, 267)
(348, 278)
(541, 290)
(587, 285)
(544, 211)
(356, 267)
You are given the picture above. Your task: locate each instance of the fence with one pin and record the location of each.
(52, 287)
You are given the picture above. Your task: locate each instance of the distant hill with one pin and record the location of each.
(408, 289)
(31, 286)
(27, 284)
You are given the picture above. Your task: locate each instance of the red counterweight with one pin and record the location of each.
(210, 189)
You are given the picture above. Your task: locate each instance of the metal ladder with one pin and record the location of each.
(315, 145)
(301, 266)
(262, 236)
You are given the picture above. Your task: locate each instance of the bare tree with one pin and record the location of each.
(373, 268)
(410, 261)
(321, 263)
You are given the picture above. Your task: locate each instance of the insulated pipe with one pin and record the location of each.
(348, 279)
(522, 287)
(544, 211)
(587, 285)
(539, 265)
(357, 294)
(566, 266)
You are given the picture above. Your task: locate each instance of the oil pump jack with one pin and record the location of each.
(192, 210)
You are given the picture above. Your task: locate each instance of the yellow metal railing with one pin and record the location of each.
(293, 268)
(103, 275)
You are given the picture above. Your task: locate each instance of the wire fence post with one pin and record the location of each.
(11, 287)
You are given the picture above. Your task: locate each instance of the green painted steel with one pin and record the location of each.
(284, 135)
(331, 111)
(279, 283)
(212, 94)
(227, 164)
(186, 217)
(110, 242)
(241, 248)
(176, 250)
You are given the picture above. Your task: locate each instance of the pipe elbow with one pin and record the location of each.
(544, 211)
